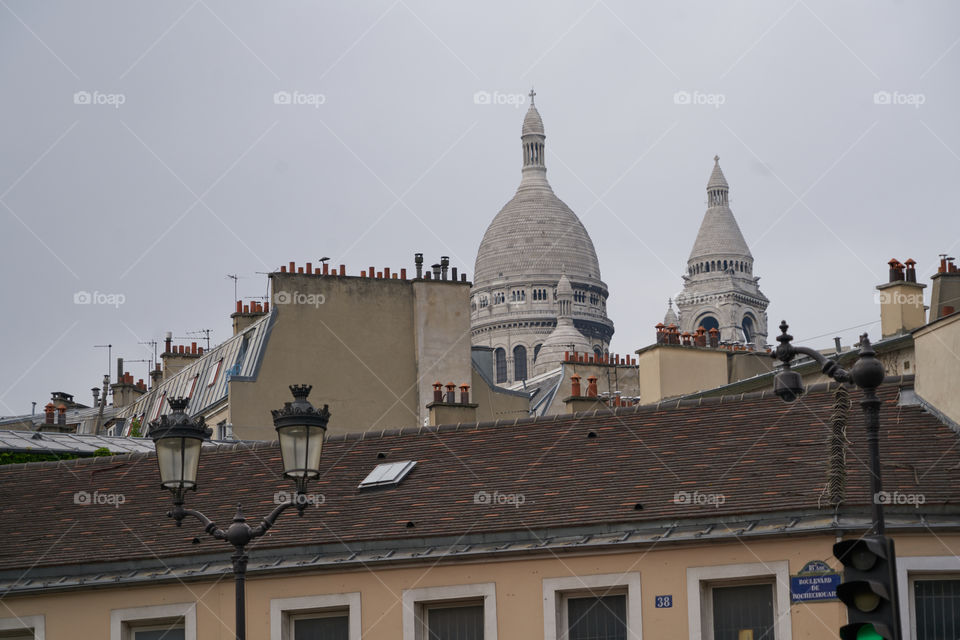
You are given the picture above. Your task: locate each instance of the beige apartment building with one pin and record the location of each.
(692, 519)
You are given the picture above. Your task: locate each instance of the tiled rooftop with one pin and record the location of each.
(761, 455)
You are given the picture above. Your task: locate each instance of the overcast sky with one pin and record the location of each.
(144, 155)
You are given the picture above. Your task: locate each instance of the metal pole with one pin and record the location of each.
(871, 415)
(239, 575)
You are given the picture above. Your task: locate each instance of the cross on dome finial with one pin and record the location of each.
(716, 160)
(532, 94)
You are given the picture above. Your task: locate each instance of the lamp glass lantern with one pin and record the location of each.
(301, 428)
(178, 441)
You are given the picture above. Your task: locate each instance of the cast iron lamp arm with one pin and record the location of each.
(179, 513)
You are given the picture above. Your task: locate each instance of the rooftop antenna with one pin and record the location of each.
(203, 332)
(152, 343)
(109, 348)
(323, 259)
(235, 278)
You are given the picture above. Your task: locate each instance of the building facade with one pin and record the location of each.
(533, 241)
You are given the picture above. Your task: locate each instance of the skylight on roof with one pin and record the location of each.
(386, 474)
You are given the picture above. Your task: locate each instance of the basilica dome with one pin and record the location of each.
(526, 251)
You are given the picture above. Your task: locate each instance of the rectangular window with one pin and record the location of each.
(159, 622)
(597, 618)
(215, 372)
(23, 628)
(460, 612)
(743, 612)
(593, 607)
(156, 414)
(937, 607)
(453, 622)
(327, 617)
(173, 631)
(739, 601)
(333, 625)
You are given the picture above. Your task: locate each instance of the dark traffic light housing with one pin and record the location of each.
(869, 588)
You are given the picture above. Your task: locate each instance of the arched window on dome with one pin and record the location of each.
(536, 351)
(598, 353)
(519, 362)
(500, 364)
(749, 333)
(709, 322)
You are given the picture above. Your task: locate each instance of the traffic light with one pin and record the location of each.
(869, 589)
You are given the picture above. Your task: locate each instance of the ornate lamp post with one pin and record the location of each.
(178, 439)
(867, 374)
(870, 587)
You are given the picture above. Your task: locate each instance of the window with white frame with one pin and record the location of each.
(594, 607)
(731, 602)
(326, 617)
(461, 612)
(160, 622)
(23, 628)
(929, 590)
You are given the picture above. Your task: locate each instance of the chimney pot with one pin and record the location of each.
(464, 394)
(386, 272)
(325, 268)
(438, 391)
(453, 274)
(451, 395)
(403, 274)
(463, 277)
(266, 307)
(575, 385)
(343, 270)
(193, 347)
(283, 269)
(310, 268)
(592, 387)
(293, 266)
(49, 410)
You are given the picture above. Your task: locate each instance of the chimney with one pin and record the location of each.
(901, 301)
(62, 416)
(156, 376)
(167, 341)
(945, 293)
(714, 339)
(49, 410)
(446, 410)
(418, 260)
(119, 369)
(96, 396)
(576, 402)
(444, 265)
(436, 271)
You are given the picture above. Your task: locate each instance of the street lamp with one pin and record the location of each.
(867, 373)
(178, 439)
(870, 586)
